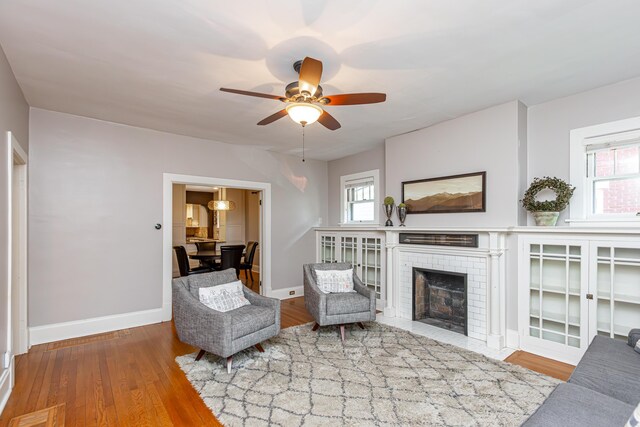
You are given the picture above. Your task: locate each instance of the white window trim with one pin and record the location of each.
(579, 209)
(376, 197)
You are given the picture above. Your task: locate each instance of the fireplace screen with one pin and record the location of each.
(440, 299)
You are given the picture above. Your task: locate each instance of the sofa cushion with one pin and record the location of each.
(346, 303)
(610, 367)
(573, 405)
(249, 319)
(206, 280)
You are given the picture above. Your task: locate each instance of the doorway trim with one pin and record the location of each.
(167, 226)
(16, 167)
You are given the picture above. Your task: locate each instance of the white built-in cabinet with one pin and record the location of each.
(573, 289)
(363, 250)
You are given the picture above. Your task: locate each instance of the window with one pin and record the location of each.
(605, 169)
(360, 198)
(613, 179)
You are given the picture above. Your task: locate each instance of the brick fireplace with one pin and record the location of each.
(440, 299)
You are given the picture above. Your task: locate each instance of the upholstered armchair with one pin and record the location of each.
(222, 334)
(337, 308)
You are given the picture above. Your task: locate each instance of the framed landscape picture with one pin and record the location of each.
(447, 194)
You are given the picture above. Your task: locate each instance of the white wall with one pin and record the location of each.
(549, 125)
(96, 193)
(361, 162)
(487, 140)
(14, 117)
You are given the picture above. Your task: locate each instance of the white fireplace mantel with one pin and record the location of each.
(485, 267)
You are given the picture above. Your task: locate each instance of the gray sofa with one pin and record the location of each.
(603, 390)
(223, 334)
(337, 308)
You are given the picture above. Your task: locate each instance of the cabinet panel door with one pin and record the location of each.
(327, 248)
(349, 248)
(615, 286)
(372, 266)
(553, 305)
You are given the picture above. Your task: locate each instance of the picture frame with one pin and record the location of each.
(446, 194)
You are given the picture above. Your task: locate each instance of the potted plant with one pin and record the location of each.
(546, 212)
(402, 213)
(388, 210)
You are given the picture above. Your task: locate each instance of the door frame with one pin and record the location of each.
(16, 166)
(167, 220)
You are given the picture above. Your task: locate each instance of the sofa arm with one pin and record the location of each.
(262, 301)
(198, 325)
(362, 289)
(634, 336)
(314, 299)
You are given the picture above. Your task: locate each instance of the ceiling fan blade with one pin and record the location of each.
(272, 118)
(328, 121)
(256, 94)
(310, 74)
(356, 98)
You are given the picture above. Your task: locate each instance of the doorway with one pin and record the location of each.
(206, 219)
(20, 335)
(13, 329)
(203, 210)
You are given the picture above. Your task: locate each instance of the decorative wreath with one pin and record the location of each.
(563, 194)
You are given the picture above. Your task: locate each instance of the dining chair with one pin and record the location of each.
(206, 246)
(247, 264)
(183, 263)
(230, 257)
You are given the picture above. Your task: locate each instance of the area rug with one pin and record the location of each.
(379, 376)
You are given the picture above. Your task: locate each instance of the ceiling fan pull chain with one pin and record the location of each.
(303, 142)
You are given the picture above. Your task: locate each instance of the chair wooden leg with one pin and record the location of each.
(361, 325)
(342, 332)
(199, 356)
(229, 361)
(259, 348)
(315, 327)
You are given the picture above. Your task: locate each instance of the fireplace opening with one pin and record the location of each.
(440, 299)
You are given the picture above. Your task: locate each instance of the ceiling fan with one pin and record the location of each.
(305, 100)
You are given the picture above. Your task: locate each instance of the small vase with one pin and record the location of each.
(402, 214)
(546, 219)
(388, 210)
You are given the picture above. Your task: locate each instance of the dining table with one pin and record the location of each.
(209, 257)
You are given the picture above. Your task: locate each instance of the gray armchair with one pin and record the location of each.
(337, 308)
(223, 334)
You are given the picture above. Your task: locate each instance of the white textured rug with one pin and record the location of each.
(379, 376)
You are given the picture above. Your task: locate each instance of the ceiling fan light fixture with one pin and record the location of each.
(303, 112)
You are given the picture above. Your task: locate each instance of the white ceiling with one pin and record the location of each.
(159, 63)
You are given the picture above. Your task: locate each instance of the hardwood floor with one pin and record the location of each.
(130, 378)
(550, 367)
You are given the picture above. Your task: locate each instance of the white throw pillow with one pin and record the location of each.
(634, 420)
(637, 347)
(330, 281)
(225, 297)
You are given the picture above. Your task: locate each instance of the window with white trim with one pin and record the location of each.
(359, 198)
(613, 178)
(605, 169)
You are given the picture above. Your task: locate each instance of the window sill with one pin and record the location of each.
(604, 222)
(359, 224)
